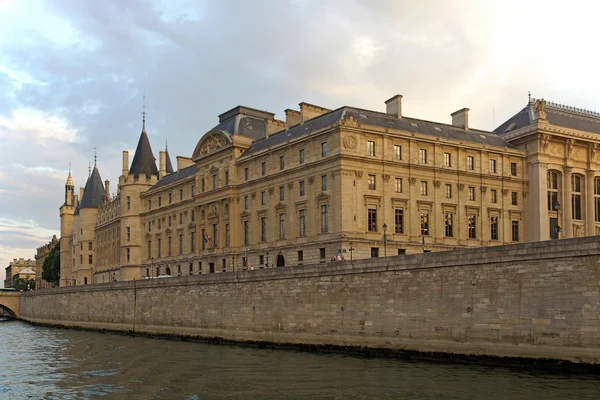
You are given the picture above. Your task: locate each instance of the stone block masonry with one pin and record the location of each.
(533, 300)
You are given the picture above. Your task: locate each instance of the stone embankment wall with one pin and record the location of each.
(535, 300)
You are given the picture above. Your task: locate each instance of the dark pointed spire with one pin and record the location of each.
(143, 162)
(94, 192)
(169, 166)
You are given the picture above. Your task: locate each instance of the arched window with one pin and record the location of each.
(576, 197)
(552, 190)
(597, 198)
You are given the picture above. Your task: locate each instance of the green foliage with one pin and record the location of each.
(24, 284)
(51, 266)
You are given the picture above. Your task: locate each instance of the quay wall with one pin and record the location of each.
(532, 300)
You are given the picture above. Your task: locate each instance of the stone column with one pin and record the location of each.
(590, 224)
(567, 224)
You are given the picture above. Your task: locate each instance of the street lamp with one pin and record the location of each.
(557, 228)
(151, 266)
(351, 249)
(385, 240)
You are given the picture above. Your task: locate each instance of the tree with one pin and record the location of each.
(24, 284)
(51, 266)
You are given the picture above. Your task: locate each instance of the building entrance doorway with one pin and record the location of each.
(280, 261)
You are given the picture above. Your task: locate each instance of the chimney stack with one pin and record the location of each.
(310, 111)
(292, 117)
(125, 163)
(81, 193)
(460, 119)
(162, 164)
(393, 106)
(107, 188)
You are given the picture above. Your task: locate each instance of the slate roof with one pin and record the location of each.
(174, 177)
(374, 118)
(143, 162)
(556, 114)
(94, 192)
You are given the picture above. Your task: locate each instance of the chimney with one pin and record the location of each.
(107, 188)
(460, 119)
(393, 106)
(81, 193)
(184, 162)
(292, 117)
(125, 163)
(162, 164)
(274, 126)
(310, 111)
(75, 200)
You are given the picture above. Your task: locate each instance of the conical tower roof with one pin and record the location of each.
(94, 192)
(169, 166)
(143, 162)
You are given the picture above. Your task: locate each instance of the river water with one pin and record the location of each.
(50, 363)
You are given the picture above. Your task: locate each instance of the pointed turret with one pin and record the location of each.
(94, 192)
(169, 166)
(143, 162)
(69, 189)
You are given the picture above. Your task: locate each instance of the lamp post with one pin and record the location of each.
(151, 266)
(557, 228)
(385, 240)
(351, 249)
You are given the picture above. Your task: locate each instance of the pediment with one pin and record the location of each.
(322, 197)
(244, 214)
(213, 169)
(168, 231)
(210, 143)
(280, 206)
(191, 225)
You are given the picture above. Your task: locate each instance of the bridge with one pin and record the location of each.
(9, 302)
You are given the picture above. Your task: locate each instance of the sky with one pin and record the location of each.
(73, 75)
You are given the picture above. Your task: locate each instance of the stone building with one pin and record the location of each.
(563, 165)
(17, 266)
(327, 185)
(40, 256)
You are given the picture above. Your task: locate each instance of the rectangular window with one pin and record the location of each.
(494, 227)
(472, 221)
(263, 229)
(150, 204)
(513, 169)
(246, 233)
(193, 215)
(423, 188)
(398, 185)
(300, 255)
(149, 226)
(215, 236)
(180, 218)
(515, 231)
(128, 255)
(371, 148)
(493, 196)
(322, 254)
(281, 162)
(281, 226)
(149, 248)
(245, 174)
(192, 241)
(397, 152)
(159, 201)
(374, 252)
(515, 198)
(423, 156)
(372, 219)
(447, 160)
(128, 202)
(170, 243)
(371, 182)
(324, 149)
(180, 194)
(193, 190)
(90, 245)
(159, 248)
(246, 202)
(424, 222)
(302, 222)
(215, 182)
(324, 183)
(470, 163)
(169, 221)
(324, 218)
(226, 178)
(261, 259)
(224, 265)
(471, 193)
(263, 168)
(399, 219)
(180, 244)
(227, 235)
(128, 234)
(170, 198)
(204, 240)
(263, 197)
(493, 166)
(301, 156)
(449, 224)
(90, 259)
(448, 191)
(301, 188)
(203, 185)
(281, 193)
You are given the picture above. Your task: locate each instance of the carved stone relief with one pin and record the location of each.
(350, 142)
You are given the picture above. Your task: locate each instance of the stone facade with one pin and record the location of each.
(40, 256)
(535, 300)
(15, 267)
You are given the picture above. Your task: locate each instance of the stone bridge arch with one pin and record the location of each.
(9, 301)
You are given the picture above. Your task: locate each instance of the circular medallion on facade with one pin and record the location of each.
(350, 142)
